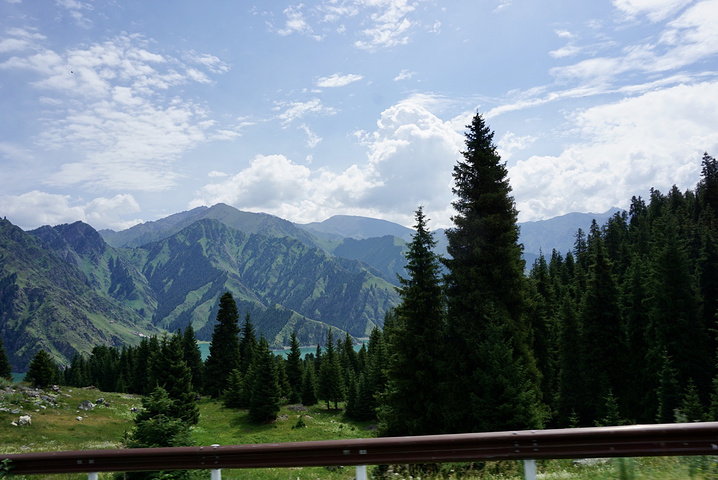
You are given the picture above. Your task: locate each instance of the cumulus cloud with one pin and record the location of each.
(269, 182)
(409, 160)
(627, 146)
(34, 209)
(337, 80)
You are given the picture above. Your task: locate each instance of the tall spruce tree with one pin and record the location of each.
(309, 386)
(485, 284)
(173, 374)
(330, 386)
(294, 369)
(224, 349)
(247, 344)
(602, 339)
(193, 357)
(409, 407)
(264, 404)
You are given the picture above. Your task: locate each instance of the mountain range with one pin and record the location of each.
(67, 288)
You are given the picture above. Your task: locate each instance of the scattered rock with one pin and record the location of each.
(14, 424)
(15, 411)
(134, 410)
(297, 408)
(86, 405)
(79, 419)
(100, 401)
(24, 420)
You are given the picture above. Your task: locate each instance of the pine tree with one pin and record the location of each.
(224, 349)
(193, 357)
(264, 404)
(5, 367)
(155, 426)
(330, 386)
(674, 322)
(42, 371)
(309, 387)
(602, 337)
(284, 388)
(409, 406)
(570, 360)
(176, 379)
(485, 282)
(294, 369)
(235, 387)
(140, 373)
(668, 391)
(247, 345)
(691, 406)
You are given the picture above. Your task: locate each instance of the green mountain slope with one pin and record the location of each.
(47, 303)
(277, 280)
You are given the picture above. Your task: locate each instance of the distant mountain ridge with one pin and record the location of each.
(68, 288)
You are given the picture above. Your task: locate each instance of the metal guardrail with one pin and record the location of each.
(625, 441)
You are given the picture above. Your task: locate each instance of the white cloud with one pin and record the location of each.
(627, 146)
(19, 39)
(75, 9)
(686, 40)
(111, 109)
(298, 110)
(295, 22)
(312, 138)
(337, 80)
(269, 182)
(211, 62)
(34, 209)
(390, 25)
(410, 157)
(404, 75)
(511, 143)
(655, 10)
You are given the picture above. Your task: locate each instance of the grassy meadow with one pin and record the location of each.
(55, 426)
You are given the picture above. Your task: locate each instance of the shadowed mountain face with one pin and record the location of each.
(48, 302)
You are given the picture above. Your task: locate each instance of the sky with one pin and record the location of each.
(121, 112)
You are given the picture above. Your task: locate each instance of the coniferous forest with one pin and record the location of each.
(619, 330)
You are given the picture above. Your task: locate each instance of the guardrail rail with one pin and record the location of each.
(680, 439)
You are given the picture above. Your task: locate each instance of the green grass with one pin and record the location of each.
(55, 427)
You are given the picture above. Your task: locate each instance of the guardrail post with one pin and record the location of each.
(216, 474)
(530, 469)
(361, 472)
(92, 476)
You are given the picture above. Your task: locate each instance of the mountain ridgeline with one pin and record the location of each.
(69, 288)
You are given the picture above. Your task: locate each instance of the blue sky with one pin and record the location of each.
(119, 112)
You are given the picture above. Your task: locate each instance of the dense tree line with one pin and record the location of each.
(619, 330)
(629, 315)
